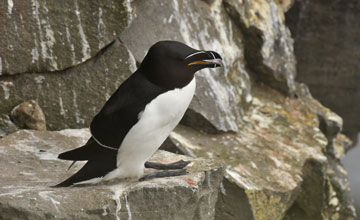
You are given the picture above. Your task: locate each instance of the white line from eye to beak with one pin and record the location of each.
(213, 55)
(194, 54)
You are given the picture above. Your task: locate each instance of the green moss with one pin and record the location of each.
(269, 205)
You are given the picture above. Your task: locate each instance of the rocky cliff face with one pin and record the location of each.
(280, 149)
(327, 51)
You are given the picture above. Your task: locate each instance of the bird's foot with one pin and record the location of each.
(166, 173)
(171, 166)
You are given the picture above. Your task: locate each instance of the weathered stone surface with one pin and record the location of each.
(267, 41)
(276, 163)
(73, 97)
(221, 95)
(29, 115)
(282, 162)
(351, 164)
(330, 123)
(29, 164)
(6, 126)
(327, 51)
(43, 36)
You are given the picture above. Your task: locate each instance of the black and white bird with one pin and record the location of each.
(140, 115)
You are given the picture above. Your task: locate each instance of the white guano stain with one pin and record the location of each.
(72, 48)
(277, 162)
(6, 91)
(17, 192)
(30, 147)
(47, 40)
(10, 6)
(36, 14)
(127, 205)
(77, 113)
(222, 189)
(47, 155)
(129, 9)
(5, 86)
(39, 79)
(170, 19)
(46, 196)
(132, 62)
(83, 133)
(34, 51)
(26, 173)
(86, 51)
(105, 213)
(62, 111)
(118, 191)
(239, 179)
(184, 141)
(34, 54)
(101, 29)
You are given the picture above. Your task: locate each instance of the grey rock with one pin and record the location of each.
(73, 97)
(325, 193)
(221, 95)
(277, 165)
(267, 41)
(233, 203)
(327, 51)
(6, 126)
(44, 36)
(330, 123)
(281, 153)
(29, 163)
(29, 115)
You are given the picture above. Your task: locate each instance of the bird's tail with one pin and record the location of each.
(94, 168)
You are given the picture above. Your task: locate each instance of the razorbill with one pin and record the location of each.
(140, 115)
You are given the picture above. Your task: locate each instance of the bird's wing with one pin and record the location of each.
(116, 118)
(121, 111)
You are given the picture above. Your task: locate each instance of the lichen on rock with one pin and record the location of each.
(279, 146)
(278, 160)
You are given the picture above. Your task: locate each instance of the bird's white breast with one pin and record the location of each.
(155, 123)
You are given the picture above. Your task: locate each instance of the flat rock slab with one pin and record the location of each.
(29, 168)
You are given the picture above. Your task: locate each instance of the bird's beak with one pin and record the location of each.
(207, 59)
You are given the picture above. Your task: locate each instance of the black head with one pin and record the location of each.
(172, 64)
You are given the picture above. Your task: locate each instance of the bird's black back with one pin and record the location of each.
(117, 117)
(110, 126)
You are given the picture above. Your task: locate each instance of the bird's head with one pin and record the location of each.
(172, 64)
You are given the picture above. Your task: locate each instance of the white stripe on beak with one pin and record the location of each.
(195, 54)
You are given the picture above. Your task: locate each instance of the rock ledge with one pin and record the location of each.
(29, 163)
